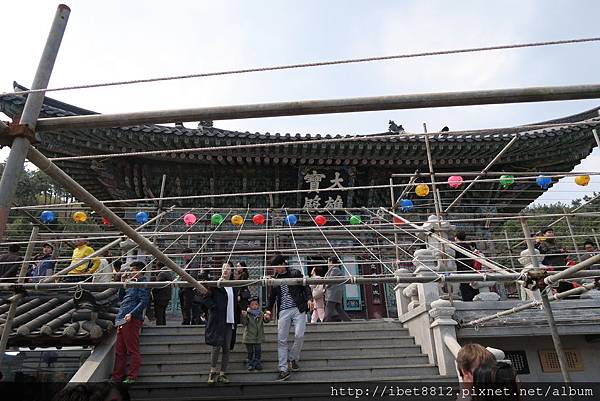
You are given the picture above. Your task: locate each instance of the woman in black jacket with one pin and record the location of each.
(223, 317)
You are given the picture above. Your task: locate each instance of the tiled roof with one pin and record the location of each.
(61, 318)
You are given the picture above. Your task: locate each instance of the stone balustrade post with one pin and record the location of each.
(402, 300)
(443, 325)
(426, 266)
(525, 261)
(411, 292)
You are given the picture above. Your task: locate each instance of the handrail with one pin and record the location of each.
(452, 345)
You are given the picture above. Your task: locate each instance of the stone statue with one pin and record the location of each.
(395, 128)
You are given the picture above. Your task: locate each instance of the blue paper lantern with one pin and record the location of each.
(543, 181)
(291, 219)
(47, 216)
(406, 205)
(141, 217)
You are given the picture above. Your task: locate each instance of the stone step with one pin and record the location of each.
(165, 344)
(237, 363)
(239, 353)
(297, 390)
(338, 335)
(272, 327)
(268, 375)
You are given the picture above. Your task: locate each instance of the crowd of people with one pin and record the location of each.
(224, 309)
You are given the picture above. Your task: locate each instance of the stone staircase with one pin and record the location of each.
(175, 362)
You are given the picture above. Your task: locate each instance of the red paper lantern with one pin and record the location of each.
(320, 220)
(258, 219)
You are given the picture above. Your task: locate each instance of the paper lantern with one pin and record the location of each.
(406, 205)
(258, 219)
(355, 220)
(47, 216)
(455, 181)
(543, 181)
(582, 180)
(141, 217)
(320, 220)
(422, 190)
(506, 181)
(80, 217)
(216, 219)
(237, 220)
(189, 219)
(106, 221)
(291, 220)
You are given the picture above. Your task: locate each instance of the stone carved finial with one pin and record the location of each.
(442, 309)
(485, 291)
(394, 128)
(525, 258)
(412, 292)
(425, 261)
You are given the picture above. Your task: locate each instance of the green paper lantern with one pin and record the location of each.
(216, 219)
(355, 220)
(506, 181)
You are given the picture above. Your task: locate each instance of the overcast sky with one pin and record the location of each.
(120, 40)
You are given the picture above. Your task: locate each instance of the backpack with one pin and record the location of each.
(318, 292)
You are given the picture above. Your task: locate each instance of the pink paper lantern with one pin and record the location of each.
(189, 219)
(455, 181)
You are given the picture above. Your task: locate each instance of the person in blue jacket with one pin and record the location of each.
(129, 320)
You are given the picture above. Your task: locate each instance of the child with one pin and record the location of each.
(254, 333)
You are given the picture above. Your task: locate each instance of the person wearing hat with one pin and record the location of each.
(42, 265)
(254, 332)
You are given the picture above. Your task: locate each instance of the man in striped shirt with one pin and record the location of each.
(292, 305)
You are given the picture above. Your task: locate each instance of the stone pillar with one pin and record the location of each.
(443, 254)
(443, 325)
(426, 266)
(525, 261)
(485, 291)
(401, 300)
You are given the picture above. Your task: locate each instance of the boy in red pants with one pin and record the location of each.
(129, 322)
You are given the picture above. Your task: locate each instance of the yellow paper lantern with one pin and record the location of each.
(237, 220)
(80, 217)
(582, 180)
(422, 190)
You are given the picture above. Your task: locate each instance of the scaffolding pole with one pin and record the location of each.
(54, 172)
(562, 358)
(575, 291)
(12, 310)
(308, 107)
(483, 172)
(99, 252)
(27, 124)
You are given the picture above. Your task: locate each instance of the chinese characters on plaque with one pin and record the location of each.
(321, 183)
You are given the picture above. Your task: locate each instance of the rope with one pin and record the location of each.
(313, 64)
